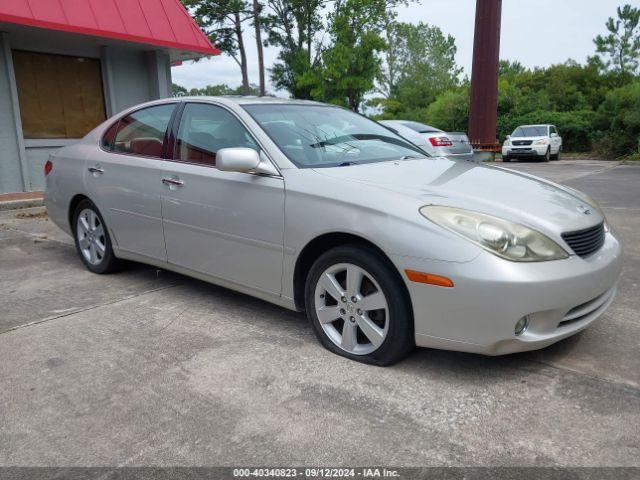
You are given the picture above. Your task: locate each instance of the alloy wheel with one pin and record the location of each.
(352, 308)
(91, 236)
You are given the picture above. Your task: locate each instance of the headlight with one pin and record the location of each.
(507, 240)
(544, 141)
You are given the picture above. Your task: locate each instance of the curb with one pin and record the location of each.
(20, 204)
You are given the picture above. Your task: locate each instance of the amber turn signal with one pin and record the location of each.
(429, 278)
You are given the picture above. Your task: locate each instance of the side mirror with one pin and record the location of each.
(508, 137)
(553, 135)
(237, 159)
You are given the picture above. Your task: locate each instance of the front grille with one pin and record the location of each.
(585, 242)
(522, 142)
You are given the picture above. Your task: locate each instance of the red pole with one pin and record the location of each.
(483, 113)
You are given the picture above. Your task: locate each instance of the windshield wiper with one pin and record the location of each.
(346, 164)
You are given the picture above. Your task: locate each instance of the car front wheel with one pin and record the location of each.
(547, 156)
(358, 307)
(92, 239)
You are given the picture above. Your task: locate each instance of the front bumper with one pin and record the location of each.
(490, 295)
(525, 151)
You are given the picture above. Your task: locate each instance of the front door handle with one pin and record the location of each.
(173, 182)
(97, 170)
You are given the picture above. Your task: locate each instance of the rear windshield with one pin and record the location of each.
(420, 127)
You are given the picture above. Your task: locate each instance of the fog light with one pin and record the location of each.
(521, 325)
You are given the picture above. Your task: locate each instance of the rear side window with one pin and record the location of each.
(142, 132)
(109, 137)
(205, 129)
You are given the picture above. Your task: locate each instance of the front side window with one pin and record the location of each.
(142, 132)
(324, 136)
(205, 129)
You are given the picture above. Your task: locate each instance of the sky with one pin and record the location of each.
(537, 33)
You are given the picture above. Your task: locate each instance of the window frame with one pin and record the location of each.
(103, 87)
(165, 138)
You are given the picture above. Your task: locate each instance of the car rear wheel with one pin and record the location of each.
(557, 155)
(92, 239)
(358, 307)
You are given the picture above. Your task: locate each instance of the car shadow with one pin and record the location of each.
(422, 362)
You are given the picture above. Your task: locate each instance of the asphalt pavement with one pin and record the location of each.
(147, 367)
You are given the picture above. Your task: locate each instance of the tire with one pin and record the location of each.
(380, 285)
(506, 159)
(98, 254)
(547, 156)
(557, 155)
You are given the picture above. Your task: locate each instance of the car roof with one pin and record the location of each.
(252, 100)
(539, 125)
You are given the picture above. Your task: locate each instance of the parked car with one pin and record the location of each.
(313, 207)
(434, 141)
(540, 141)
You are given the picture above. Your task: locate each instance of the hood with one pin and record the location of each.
(527, 139)
(496, 191)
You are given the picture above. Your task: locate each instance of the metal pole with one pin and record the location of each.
(483, 114)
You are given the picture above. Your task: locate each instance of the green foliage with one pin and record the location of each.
(416, 52)
(618, 120)
(450, 111)
(292, 26)
(619, 50)
(350, 64)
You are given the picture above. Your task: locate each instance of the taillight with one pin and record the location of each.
(48, 166)
(440, 142)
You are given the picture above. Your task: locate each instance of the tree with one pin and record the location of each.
(620, 49)
(257, 25)
(416, 52)
(293, 26)
(178, 90)
(222, 21)
(619, 121)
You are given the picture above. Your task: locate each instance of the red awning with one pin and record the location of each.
(163, 23)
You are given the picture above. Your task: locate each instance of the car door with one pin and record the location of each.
(123, 180)
(227, 225)
(556, 141)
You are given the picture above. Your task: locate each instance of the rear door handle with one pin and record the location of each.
(173, 182)
(98, 170)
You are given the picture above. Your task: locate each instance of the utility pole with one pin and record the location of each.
(483, 111)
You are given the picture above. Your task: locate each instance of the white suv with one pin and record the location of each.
(540, 141)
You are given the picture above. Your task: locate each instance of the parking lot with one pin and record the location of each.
(147, 367)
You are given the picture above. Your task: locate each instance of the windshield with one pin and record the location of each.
(539, 131)
(322, 136)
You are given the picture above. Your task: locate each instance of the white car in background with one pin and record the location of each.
(529, 141)
(435, 142)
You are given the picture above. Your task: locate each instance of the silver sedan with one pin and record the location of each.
(316, 208)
